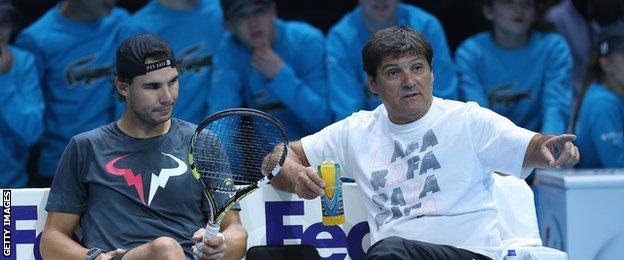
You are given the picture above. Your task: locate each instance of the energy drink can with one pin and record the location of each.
(331, 202)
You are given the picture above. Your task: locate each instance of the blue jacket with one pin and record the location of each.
(21, 119)
(530, 85)
(75, 62)
(194, 36)
(600, 129)
(296, 96)
(347, 77)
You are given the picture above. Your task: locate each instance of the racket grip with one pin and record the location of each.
(212, 229)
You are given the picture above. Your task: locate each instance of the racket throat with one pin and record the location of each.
(264, 181)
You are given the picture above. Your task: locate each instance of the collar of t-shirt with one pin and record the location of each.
(425, 121)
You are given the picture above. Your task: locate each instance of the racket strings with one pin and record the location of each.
(237, 151)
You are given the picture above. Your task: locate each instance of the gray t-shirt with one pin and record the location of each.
(130, 191)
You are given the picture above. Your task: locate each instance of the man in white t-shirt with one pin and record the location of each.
(423, 163)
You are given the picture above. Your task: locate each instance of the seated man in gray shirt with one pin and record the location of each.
(128, 184)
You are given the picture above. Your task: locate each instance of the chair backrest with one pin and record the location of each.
(517, 220)
(283, 252)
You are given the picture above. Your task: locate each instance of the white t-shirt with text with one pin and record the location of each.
(429, 180)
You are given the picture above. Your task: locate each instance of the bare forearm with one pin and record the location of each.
(57, 245)
(545, 151)
(293, 166)
(533, 157)
(236, 242)
(235, 236)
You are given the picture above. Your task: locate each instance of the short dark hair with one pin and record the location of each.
(155, 55)
(233, 9)
(395, 41)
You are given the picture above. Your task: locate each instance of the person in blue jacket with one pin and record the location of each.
(21, 102)
(518, 72)
(271, 65)
(600, 125)
(194, 29)
(345, 40)
(74, 45)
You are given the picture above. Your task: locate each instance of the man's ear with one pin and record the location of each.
(372, 85)
(122, 87)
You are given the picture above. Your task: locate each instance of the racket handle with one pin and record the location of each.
(212, 229)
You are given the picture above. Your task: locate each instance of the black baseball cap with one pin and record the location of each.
(611, 38)
(8, 13)
(132, 53)
(235, 8)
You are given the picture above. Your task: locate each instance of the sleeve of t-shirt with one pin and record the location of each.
(305, 87)
(498, 143)
(27, 42)
(68, 193)
(470, 88)
(22, 95)
(607, 134)
(330, 143)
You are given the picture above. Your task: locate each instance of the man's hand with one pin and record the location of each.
(266, 61)
(213, 248)
(110, 255)
(559, 151)
(308, 184)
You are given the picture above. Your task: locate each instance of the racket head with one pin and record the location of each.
(233, 152)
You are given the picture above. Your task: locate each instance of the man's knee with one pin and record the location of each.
(166, 246)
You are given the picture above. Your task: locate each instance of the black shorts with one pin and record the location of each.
(399, 248)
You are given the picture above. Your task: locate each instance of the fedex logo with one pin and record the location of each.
(14, 237)
(277, 231)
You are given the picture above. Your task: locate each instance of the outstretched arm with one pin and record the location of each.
(297, 176)
(551, 152)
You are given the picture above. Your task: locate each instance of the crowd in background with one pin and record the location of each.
(549, 66)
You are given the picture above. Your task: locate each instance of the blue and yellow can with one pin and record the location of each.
(331, 202)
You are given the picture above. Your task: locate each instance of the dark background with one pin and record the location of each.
(460, 18)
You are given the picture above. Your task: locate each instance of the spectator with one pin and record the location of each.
(194, 29)
(600, 125)
(21, 101)
(73, 44)
(520, 73)
(578, 21)
(271, 65)
(345, 40)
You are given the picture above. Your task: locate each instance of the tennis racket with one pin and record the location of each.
(232, 153)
